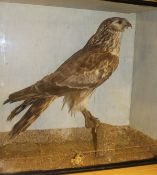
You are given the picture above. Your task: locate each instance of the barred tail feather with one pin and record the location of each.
(30, 116)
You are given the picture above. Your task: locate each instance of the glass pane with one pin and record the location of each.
(99, 107)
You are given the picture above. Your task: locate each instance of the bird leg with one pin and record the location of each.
(90, 120)
(93, 123)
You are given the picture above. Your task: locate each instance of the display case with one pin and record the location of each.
(46, 126)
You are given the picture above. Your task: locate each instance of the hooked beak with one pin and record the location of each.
(128, 24)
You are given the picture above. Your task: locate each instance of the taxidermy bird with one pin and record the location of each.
(75, 79)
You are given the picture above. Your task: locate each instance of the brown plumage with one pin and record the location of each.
(75, 79)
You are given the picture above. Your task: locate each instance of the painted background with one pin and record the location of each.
(35, 40)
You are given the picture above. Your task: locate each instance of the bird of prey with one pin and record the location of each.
(75, 79)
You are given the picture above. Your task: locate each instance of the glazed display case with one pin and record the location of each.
(119, 128)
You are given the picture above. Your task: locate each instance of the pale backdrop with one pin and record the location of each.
(144, 95)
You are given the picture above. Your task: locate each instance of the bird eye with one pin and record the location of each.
(119, 22)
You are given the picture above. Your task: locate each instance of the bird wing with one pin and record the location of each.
(84, 70)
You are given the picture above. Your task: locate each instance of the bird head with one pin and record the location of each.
(108, 31)
(116, 24)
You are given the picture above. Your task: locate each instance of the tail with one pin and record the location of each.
(37, 106)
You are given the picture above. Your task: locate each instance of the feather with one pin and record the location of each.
(30, 116)
(21, 95)
(20, 108)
